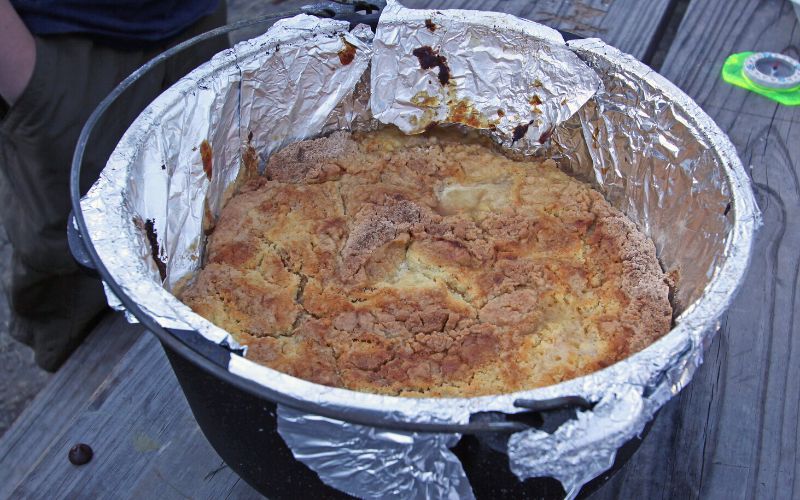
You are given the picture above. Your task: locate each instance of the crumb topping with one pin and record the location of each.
(428, 266)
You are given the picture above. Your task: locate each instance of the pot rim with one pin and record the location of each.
(686, 338)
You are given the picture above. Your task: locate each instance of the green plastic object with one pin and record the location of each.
(763, 66)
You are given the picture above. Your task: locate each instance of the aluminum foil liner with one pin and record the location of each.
(513, 77)
(634, 141)
(636, 137)
(375, 463)
(155, 191)
(562, 454)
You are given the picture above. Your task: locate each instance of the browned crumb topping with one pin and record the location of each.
(428, 266)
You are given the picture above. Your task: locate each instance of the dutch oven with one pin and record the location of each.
(238, 415)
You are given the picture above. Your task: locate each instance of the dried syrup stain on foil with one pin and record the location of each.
(520, 131)
(430, 58)
(205, 154)
(546, 135)
(149, 228)
(425, 100)
(464, 111)
(348, 53)
(460, 110)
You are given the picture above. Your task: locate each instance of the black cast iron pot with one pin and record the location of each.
(238, 416)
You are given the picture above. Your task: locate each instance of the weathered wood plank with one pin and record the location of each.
(733, 432)
(146, 442)
(23, 445)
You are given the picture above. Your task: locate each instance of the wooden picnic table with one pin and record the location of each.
(732, 433)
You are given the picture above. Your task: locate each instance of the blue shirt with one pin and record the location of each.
(114, 20)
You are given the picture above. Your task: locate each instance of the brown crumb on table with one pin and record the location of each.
(428, 265)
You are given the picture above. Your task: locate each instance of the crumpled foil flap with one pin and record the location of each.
(493, 71)
(636, 137)
(369, 462)
(562, 454)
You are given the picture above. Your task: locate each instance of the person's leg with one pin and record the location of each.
(54, 312)
(54, 303)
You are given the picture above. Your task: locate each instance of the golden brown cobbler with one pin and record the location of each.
(428, 266)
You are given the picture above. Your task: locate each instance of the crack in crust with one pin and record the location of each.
(428, 266)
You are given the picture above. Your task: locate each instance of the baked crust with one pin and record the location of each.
(428, 266)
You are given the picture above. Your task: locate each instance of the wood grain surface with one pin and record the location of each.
(732, 433)
(65, 396)
(146, 442)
